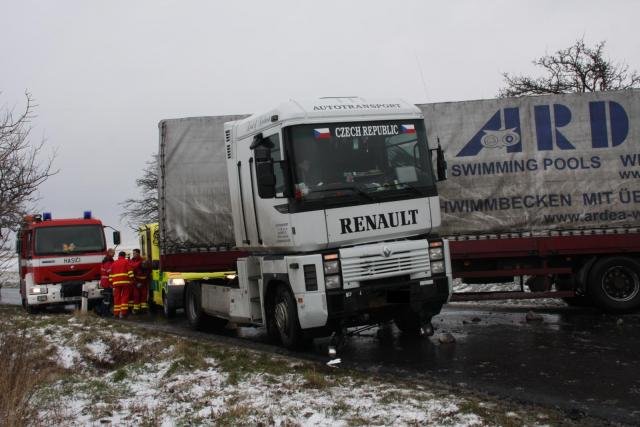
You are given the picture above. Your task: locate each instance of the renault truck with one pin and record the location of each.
(321, 214)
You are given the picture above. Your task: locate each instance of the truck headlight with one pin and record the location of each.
(437, 267)
(331, 267)
(332, 282)
(435, 253)
(38, 289)
(175, 282)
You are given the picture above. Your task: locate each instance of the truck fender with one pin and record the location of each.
(270, 281)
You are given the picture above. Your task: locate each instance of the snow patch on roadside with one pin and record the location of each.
(67, 357)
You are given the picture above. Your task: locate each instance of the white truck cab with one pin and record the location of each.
(336, 201)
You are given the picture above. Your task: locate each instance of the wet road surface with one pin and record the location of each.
(574, 359)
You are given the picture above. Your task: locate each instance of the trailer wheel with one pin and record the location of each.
(283, 314)
(168, 311)
(614, 284)
(193, 307)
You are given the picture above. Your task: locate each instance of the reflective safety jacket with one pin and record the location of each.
(121, 273)
(105, 271)
(140, 273)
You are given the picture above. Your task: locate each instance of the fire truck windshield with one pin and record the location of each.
(369, 160)
(69, 239)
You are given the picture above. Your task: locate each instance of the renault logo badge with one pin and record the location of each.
(386, 252)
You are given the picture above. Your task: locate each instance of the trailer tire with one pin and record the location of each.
(283, 314)
(614, 284)
(168, 311)
(193, 307)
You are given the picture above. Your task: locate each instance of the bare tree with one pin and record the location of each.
(578, 68)
(145, 209)
(21, 173)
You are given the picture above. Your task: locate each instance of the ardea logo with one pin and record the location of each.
(608, 121)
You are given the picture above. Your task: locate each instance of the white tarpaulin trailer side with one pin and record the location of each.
(539, 163)
(193, 189)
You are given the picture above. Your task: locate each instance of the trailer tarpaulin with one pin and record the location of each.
(195, 206)
(539, 163)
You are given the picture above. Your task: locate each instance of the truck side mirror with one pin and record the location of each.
(116, 238)
(441, 163)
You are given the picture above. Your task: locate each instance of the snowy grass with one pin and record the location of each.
(112, 373)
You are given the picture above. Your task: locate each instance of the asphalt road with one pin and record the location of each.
(577, 360)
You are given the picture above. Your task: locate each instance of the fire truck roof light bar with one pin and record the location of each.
(46, 216)
(87, 215)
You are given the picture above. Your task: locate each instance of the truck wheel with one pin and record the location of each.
(168, 311)
(193, 307)
(283, 314)
(614, 284)
(409, 323)
(30, 308)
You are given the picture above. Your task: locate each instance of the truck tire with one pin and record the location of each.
(412, 324)
(567, 282)
(167, 310)
(614, 284)
(283, 314)
(30, 308)
(408, 322)
(193, 307)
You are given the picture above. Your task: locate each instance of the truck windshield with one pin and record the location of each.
(369, 160)
(69, 239)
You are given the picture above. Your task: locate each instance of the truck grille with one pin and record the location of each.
(384, 260)
(73, 273)
(72, 289)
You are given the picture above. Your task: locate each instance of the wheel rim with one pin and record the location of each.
(620, 283)
(282, 319)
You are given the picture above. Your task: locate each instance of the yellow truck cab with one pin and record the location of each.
(167, 288)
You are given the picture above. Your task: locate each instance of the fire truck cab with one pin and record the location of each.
(57, 257)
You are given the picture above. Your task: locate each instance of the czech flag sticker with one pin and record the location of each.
(322, 133)
(407, 129)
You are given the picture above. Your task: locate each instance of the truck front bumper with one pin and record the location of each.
(378, 303)
(64, 293)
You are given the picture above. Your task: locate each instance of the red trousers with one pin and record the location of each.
(121, 295)
(140, 296)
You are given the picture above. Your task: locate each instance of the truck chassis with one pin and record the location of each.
(598, 265)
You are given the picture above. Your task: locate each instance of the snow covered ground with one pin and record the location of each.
(9, 278)
(110, 372)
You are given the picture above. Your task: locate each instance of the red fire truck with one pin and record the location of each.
(57, 257)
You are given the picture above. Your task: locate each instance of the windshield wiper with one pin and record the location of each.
(357, 190)
(408, 186)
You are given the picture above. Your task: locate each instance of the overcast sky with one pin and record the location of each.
(104, 73)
